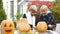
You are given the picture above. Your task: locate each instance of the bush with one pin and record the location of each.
(18, 15)
(2, 12)
(56, 11)
(15, 24)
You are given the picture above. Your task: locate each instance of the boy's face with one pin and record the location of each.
(32, 12)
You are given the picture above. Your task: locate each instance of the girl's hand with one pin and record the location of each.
(50, 26)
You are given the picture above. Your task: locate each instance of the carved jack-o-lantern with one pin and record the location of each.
(41, 26)
(7, 27)
(23, 26)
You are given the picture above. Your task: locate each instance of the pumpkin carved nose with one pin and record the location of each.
(10, 25)
(5, 25)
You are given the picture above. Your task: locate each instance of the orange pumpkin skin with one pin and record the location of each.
(7, 27)
(41, 26)
(24, 20)
(23, 26)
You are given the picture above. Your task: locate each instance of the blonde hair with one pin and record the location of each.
(44, 7)
(33, 7)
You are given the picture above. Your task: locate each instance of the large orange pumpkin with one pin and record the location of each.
(7, 27)
(23, 26)
(41, 26)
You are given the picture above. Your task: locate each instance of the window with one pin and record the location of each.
(12, 10)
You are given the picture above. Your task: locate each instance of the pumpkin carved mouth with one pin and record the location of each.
(8, 31)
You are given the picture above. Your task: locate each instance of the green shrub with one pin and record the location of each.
(2, 12)
(15, 24)
(18, 15)
(56, 11)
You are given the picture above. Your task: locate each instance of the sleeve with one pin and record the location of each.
(24, 16)
(52, 21)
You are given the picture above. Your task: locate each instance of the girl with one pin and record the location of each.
(45, 15)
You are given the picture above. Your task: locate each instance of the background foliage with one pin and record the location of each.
(56, 11)
(2, 12)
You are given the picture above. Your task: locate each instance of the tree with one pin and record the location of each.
(56, 11)
(2, 12)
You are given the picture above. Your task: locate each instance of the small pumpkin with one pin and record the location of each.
(23, 26)
(41, 26)
(7, 27)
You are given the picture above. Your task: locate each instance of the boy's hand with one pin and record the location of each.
(35, 27)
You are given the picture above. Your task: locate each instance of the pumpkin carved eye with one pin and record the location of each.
(5, 25)
(10, 25)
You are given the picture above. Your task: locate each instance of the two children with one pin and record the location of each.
(45, 15)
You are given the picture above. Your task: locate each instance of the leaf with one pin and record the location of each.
(18, 15)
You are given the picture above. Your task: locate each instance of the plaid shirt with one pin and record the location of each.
(48, 19)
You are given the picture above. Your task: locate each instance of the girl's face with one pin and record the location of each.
(44, 12)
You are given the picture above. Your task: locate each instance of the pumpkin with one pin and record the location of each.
(41, 26)
(7, 27)
(23, 26)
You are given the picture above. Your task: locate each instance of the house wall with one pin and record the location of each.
(10, 7)
(6, 5)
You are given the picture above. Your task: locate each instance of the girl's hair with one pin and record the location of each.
(45, 7)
